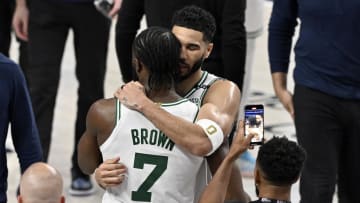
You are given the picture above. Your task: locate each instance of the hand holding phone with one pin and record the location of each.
(254, 123)
(104, 6)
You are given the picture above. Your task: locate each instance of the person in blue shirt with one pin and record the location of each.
(326, 101)
(15, 109)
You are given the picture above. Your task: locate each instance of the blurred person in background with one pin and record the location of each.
(16, 110)
(326, 101)
(46, 24)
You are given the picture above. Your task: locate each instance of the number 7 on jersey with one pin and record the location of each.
(160, 163)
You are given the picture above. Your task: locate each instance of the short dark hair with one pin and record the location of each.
(281, 161)
(159, 50)
(195, 18)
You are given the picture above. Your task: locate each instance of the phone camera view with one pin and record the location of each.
(254, 123)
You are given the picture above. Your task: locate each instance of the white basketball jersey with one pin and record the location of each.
(157, 169)
(196, 95)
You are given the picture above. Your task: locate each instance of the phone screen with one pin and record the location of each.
(254, 123)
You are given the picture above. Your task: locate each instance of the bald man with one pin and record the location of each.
(41, 183)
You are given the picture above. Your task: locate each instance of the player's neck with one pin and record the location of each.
(186, 85)
(164, 95)
(275, 192)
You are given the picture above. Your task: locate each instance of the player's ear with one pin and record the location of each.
(137, 65)
(209, 48)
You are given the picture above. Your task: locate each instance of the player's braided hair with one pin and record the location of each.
(159, 50)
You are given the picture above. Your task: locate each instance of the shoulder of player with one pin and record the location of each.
(222, 92)
(223, 87)
(102, 110)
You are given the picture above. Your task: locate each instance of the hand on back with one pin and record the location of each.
(110, 173)
(132, 95)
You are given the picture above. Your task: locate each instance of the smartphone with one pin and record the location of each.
(104, 6)
(254, 123)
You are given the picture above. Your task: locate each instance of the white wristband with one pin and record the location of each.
(214, 133)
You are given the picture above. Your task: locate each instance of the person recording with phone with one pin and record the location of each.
(278, 167)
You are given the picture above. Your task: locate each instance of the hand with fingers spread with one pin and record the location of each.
(110, 173)
(132, 95)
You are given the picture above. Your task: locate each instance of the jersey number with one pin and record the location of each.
(160, 163)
